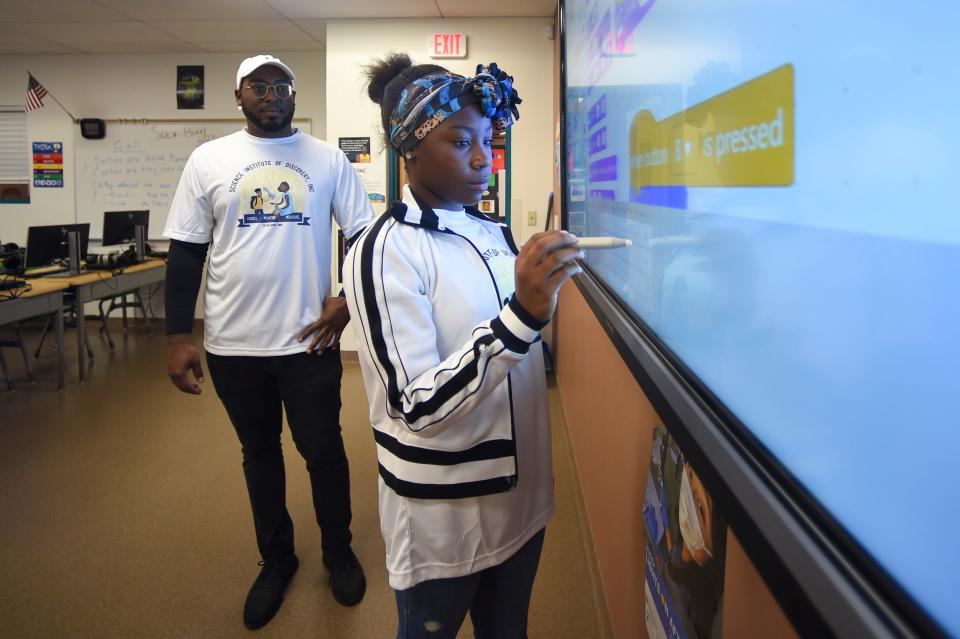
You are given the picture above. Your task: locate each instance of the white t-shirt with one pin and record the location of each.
(267, 276)
(439, 539)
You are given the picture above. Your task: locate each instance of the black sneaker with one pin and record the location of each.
(346, 578)
(266, 594)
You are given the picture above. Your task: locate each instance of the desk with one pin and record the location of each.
(45, 297)
(96, 285)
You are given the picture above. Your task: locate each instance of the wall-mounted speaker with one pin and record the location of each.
(93, 129)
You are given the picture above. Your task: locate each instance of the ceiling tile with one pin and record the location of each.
(317, 27)
(259, 47)
(497, 8)
(58, 10)
(234, 31)
(104, 32)
(34, 46)
(137, 47)
(11, 35)
(138, 26)
(194, 9)
(357, 9)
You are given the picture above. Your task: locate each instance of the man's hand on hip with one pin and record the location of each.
(326, 331)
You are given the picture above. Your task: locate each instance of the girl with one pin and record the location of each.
(446, 311)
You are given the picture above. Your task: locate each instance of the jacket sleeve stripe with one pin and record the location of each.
(526, 320)
(509, 340)
(367, 239)
(371, 308)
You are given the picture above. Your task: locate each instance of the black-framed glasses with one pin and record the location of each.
(280, 89)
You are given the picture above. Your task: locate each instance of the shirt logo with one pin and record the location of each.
(491, 253)
(272, 206)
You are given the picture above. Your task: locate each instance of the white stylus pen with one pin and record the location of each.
(602, 242)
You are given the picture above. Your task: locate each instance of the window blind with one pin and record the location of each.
(14, 150)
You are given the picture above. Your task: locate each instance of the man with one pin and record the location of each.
(267, 296)
(282, 205)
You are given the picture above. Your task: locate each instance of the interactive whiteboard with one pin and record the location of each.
(783, 171)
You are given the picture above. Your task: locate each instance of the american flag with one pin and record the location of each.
(35, 93)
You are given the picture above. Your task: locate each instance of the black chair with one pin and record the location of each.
(15, 343)
(70, 321)
(123, 304)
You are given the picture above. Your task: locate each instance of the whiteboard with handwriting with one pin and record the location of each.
(137, 166)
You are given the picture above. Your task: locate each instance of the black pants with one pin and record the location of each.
(497, 598)
(308, 387)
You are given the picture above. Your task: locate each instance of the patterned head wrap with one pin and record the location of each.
(428, 101)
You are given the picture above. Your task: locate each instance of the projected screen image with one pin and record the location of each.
(783, 171)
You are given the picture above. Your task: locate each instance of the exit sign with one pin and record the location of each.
(447, 45)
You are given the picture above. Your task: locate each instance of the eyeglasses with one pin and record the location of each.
(280, 89)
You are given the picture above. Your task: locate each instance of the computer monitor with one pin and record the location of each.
(118, 226)
(45, 244)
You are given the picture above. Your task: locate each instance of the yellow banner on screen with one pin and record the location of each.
(743, 137)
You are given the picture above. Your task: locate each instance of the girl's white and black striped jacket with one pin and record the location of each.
(437, 343)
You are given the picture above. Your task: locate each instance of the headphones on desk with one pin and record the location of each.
(12, 258)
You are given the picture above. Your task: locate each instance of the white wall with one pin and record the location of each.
(329, 91)
(125, 86)
(518, 45)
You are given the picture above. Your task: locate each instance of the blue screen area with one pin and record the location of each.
(783, 170)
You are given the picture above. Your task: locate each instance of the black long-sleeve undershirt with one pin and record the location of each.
(184, 272)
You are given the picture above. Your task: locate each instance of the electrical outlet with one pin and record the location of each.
(531, 218)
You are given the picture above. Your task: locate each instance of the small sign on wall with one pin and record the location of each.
(357, 150)
(447, 45)
(48, 164)
(190, 87)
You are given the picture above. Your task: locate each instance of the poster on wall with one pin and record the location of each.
(498, 155)
(491, 197)
(190, 87)
(48, 164)
(684, 548)
(357, 150)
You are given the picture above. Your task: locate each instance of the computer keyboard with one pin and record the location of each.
(10, 284)
(59, 272)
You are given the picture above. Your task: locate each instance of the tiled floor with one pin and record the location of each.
(123, 513)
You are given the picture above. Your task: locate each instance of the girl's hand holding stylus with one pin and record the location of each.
(545, 262)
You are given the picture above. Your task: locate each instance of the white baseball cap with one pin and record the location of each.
(251, 64)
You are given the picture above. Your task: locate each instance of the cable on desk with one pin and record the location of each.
(13, 293)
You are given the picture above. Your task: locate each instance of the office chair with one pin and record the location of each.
(15, 343)
(123, 305)
(70, 320)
